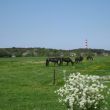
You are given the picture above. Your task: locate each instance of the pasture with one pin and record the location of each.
(27, 84)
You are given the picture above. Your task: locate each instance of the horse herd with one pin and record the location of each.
(60, 60)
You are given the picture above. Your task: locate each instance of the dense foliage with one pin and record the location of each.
(83, 92)
(26, 52)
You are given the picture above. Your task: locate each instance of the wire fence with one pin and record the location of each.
(62, 74)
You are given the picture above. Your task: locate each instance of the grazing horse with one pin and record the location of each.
(54, 60)
(89, 57)
(67, 60)
(78, 59)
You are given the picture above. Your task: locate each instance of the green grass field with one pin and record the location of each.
(27, 84)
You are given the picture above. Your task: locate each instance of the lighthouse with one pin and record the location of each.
(86, 44)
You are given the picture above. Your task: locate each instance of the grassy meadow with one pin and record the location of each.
(27, 84)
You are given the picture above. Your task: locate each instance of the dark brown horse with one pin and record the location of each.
(79, 59)
(89, 57)
(53, 60)
(67, 60)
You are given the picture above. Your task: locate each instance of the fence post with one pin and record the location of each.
(54, 77)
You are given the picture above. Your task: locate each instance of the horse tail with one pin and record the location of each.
(47, 62)
(76, 60)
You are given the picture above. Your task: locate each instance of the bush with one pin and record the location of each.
(83, 92)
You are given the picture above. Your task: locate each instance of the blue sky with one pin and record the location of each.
(60, 24)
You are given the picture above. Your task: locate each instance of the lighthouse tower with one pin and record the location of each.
(86, 44)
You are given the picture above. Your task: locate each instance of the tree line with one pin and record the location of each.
(48, 52)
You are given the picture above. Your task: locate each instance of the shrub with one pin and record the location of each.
(83, 92)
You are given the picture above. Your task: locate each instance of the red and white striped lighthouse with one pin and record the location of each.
(86, 44)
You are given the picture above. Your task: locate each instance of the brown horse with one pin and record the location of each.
(67, 60)
(89, 57)
(53, 60)
(79, 59)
